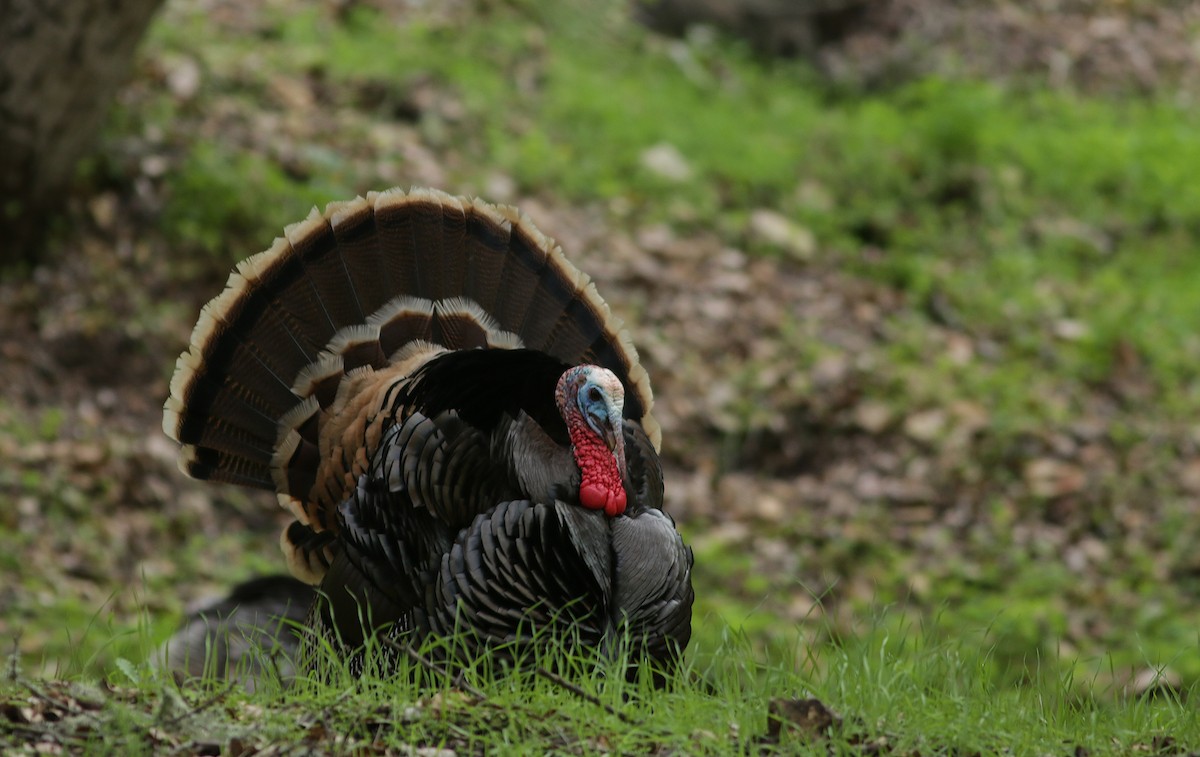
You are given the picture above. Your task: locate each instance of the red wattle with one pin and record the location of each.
(615, 504)
(593, 497)
(600, 487)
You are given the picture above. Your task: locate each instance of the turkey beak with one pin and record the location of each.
(611, 425)
(616, 443)
(614, 438)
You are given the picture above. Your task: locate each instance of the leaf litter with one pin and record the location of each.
(773, 379)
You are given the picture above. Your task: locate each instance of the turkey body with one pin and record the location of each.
(460, 426)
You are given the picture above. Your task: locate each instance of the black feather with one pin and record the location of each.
(485, 385)
(429, 499)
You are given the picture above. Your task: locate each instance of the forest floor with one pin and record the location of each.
(924, 353)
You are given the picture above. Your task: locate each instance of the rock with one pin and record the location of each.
(926, 425)
(183, 77)
(665, 161)
(872, 417)
(1047, 478)
(1189, 476)
(778, 230)
(1070, 330)
(1152, 681)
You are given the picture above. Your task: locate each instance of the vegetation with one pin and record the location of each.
(926, 357)
(896, 693)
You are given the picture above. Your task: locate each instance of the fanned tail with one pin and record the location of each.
(284, 364)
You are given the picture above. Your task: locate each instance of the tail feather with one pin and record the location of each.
(576, 330)
(456, 264)
(209, 464)
(353, 224)
(404, 320)
(394, 218)
(523, 266)
(358, 345)
(319, 380)
(315, 243)
(555, 293)
(366, 284)
(283, 280)
(485, 247)
(426, 231)
(248, 313)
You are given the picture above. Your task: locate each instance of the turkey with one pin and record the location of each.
(458, 423)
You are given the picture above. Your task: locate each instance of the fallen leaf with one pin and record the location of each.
(1047, 478)
(809, 718)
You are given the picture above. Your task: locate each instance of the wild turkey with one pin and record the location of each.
(459, 424)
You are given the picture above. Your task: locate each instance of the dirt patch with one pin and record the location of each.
(771, 376)
(1093, 45)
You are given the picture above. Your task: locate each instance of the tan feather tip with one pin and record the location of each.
(491, 213)
(405, 303)
(508, 213)
(388, 198)
(297, 233)
(428, 194)
(186, 367)
(653, 431)
(352, 336)
(398, 197)
(285, 446)
(187, 457)
(185, 373)
(170, 419)
(327, 364)
(591, 297)
(418, 351)
(455, 202)
(289, 422)
(254, 267)
(340, 211)
(641, 384)
(470, 308)
(579, 280)
(174, 403)
(525, 224)
(298, 562)
(354, 373)
(504, 340)
(293, 506)
(212, 315)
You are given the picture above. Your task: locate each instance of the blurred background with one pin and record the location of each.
(917, 283)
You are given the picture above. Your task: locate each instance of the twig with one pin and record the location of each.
(433, 667)
(558, 680)
(70, 703)
(326, 715)
(34, 729)
(215, 698)
(14, 658)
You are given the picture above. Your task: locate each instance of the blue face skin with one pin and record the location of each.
(600, 400)
(600, 412)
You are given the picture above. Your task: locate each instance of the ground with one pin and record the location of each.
(857, 431)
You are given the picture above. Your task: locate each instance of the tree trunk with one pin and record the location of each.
(61, 62)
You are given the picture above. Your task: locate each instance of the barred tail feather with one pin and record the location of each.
(354, 287)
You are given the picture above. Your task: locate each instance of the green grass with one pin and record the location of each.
(1023, 207)
(887, 687)
(1058, 229)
